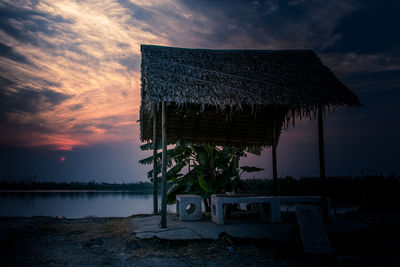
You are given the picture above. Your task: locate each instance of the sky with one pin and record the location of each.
(70, 80)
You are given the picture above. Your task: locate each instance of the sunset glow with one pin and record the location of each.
(86, 83)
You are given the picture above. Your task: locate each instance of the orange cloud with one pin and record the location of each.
(83, 60)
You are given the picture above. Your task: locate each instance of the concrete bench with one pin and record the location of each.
(218, 202)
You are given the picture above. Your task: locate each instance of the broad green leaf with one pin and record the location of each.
(256, 150)
(188, 187)
(146, 161)
(222, 166)
(204, 185)
(222, 181)
(251, 169)
(235, 165)
(202, 157)
(176, 169)
(149, 146)
(172, 191)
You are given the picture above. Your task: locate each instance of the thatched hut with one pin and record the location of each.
(235, 97)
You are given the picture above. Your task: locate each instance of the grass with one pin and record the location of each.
(91, 229)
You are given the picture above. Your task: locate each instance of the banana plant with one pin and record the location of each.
(177, 159)
(210, 170)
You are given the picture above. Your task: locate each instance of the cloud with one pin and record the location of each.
(83, 70)
(8, 52)
(30, 101)
(345, 64)
(132, 63)
(261, 25)
(23, 22)
(76, 107)
(370, 29)
(70, 70)
(5, 83)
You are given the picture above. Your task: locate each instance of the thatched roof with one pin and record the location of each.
(234, 83)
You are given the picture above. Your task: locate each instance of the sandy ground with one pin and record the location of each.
(45, 241)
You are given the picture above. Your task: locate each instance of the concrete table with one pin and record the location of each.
(188, 207)
(218, 201)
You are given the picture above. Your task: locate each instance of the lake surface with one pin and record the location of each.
(79, 204)
(76, 204)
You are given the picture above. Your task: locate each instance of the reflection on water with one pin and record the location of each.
(76, 204)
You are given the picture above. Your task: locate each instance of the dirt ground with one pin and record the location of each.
(46, 241)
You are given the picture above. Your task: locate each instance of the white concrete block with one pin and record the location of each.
(217, 212)
(188, 207)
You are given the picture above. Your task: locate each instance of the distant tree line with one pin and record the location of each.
(142, 187)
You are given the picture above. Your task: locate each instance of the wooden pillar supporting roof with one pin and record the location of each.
(325, 211)
(155, 145)
(163, 223)
(274, 144)
(321, 144)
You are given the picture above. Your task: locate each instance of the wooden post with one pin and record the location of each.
(274, 167)
(274, 170)
(321, 144)
(155, 145)
(322, 163)
(164, 168)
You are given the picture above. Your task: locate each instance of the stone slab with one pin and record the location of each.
(148, 227)
(312, 230)
(274, 232)
(178, 234)
(146, 235)
(152, 224)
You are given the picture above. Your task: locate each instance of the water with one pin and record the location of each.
(76, 204)
(79, 204)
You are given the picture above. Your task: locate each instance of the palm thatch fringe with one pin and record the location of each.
(236, 81)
